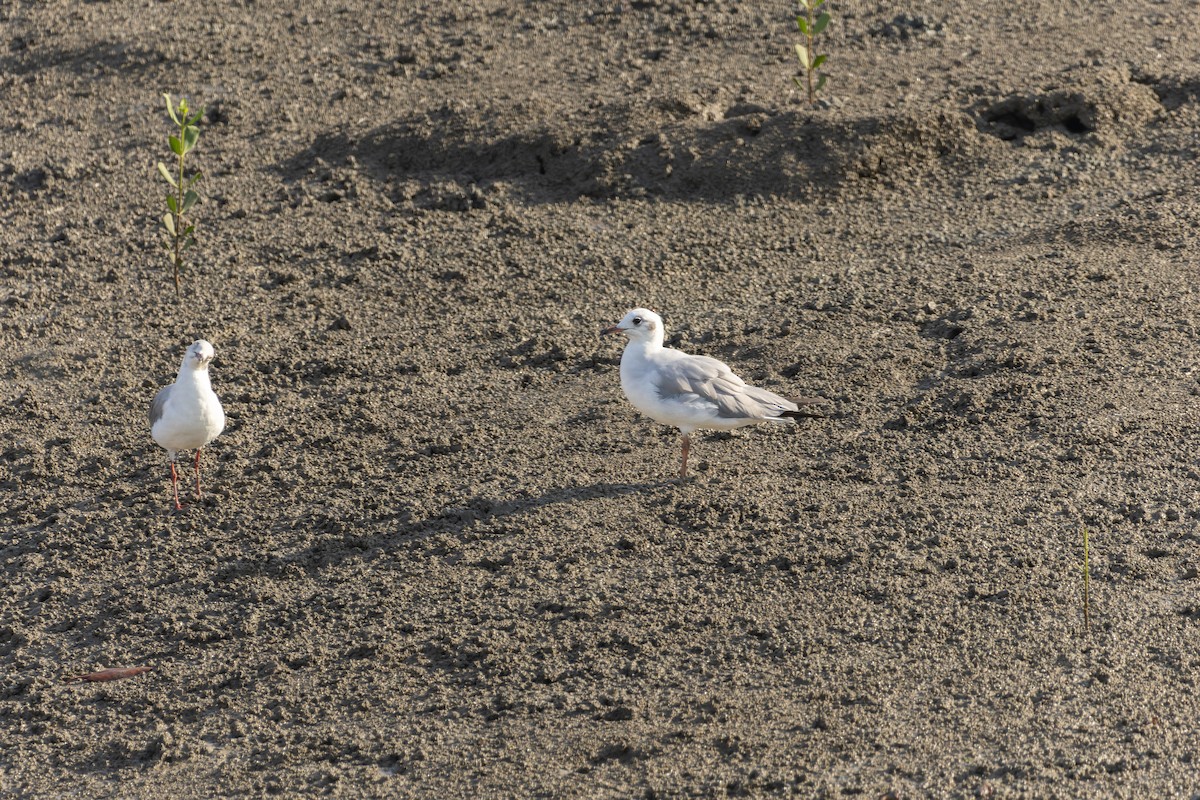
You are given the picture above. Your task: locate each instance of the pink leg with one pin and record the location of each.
(687, 445)
(198, 494)
(175, 486)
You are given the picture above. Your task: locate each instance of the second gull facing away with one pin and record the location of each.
(187, 414)
(691, 392)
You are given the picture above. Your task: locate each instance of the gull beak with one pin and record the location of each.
(611, 329)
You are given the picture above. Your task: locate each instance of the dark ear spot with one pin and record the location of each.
(649, 324)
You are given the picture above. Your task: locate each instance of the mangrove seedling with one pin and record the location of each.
(811, 25)
(181, 234)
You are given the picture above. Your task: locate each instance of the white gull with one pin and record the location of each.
(187, 414)
(691, 392)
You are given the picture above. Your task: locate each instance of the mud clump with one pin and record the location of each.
(1107, 103)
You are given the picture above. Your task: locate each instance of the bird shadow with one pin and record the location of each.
(339, 541)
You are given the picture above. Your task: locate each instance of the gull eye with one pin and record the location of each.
(637, 320)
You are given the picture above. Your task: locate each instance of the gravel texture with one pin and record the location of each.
(441, 556)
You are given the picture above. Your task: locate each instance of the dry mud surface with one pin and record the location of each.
(441, 556)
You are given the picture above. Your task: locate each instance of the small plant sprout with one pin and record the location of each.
(182, 196)
(811, 25)
(1087, 614)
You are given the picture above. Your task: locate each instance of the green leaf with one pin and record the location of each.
(176, 145)
(169, 221)
(194, 118)
(819, 60)
(189, 230)
(188, 245)
(194, 179)
(817, 4)
(171, 109)
(166, 174)
(802, 54)
(820, 83)
(821, 22)
(802, 24)
(191, 134)
(173, 203)
(799, 83)
(189, 200)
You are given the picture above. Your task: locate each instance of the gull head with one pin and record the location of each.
(199, 354)
(640, 324)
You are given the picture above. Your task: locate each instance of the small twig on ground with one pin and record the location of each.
(1087, 613)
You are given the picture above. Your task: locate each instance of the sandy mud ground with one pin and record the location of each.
(441, 556)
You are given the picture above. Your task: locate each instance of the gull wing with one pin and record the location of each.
(714, 382)
(159, 403)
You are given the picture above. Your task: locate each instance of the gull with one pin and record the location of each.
(691, 392)
(187, 414)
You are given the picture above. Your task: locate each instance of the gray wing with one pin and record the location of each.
(715, 382)
(159, 403)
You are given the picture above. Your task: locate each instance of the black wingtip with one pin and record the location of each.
(802, 415)
(804, 412)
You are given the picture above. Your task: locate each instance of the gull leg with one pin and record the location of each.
(175, 486)
(687, 445)
(198, 494)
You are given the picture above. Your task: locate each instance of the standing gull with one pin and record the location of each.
(187, 414)
(691, 392)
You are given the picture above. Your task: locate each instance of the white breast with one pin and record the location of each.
(192, 417)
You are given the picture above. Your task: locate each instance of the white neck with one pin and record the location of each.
(641, 350)
(652, 341)
(196, 377)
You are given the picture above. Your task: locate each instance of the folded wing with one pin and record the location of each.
(160, 402)
(712, 381)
